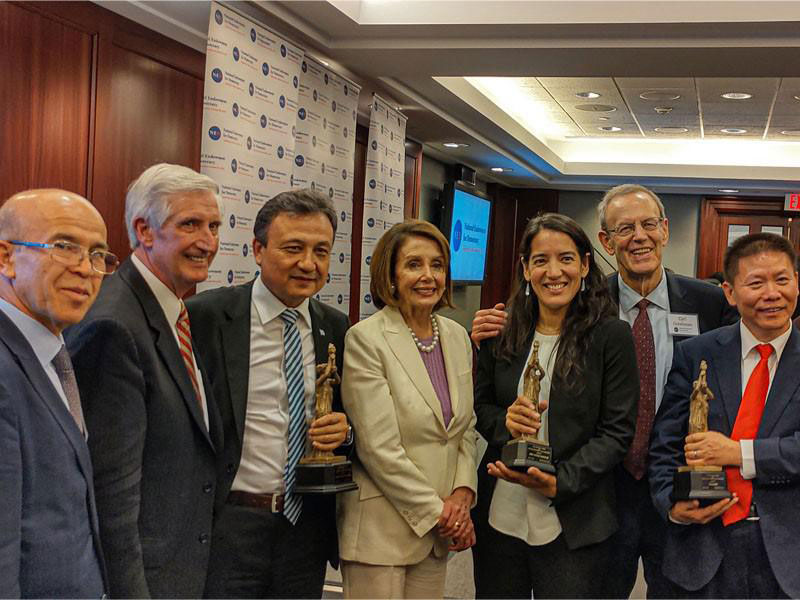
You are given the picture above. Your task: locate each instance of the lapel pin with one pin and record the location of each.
(322, 332)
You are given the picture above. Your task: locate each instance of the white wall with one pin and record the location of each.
(683, 213)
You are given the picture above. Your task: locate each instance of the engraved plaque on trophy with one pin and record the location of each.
(707, 484)
(526, 451)
(322, 471)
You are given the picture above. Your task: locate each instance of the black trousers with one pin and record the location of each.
(258, 554)
(745, 571)
(507, 567)
(641, 533)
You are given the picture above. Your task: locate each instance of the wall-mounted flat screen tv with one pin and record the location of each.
(466, 224)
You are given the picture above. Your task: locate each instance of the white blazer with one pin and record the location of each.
(407, 460)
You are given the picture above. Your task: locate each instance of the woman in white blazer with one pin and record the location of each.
(407, 389)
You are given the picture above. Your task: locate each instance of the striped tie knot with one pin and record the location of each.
(290, 316)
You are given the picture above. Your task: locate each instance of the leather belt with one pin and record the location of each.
(270, 502)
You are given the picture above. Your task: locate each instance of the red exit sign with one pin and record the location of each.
(792, 201)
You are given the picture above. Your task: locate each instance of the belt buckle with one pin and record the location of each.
(274, 503)
(752, 513)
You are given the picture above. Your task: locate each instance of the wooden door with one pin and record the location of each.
(722, 220)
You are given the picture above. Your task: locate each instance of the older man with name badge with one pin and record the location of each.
(53, 256)
(155, 428)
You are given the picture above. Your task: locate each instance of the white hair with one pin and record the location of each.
(624, 190)
(149, 195)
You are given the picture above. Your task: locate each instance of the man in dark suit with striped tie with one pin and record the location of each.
(155, 427)
(261, 342)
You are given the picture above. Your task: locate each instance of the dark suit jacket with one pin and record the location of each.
(691, 296)
(693, 552)
(154, 459)
(221, 327)
(589, 434)
(49, 542)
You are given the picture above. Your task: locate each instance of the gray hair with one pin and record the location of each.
(149, 195)
(294, 202)
(624, 190)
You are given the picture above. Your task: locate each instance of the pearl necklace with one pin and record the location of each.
(422, 347)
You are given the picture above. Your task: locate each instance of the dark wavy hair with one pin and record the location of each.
(587, 309)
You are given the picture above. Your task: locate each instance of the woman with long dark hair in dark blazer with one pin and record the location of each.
(536, 531)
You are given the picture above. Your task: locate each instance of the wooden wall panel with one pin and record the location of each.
(45, 99)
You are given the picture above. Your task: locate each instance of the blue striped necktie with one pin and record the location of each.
(293, 370)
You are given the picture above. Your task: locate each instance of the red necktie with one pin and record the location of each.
(636, 459)
(185, 346)
(745, 428)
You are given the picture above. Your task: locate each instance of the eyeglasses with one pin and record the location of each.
(627, 229)
(72, 255)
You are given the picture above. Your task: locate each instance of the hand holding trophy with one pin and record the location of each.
(528, 451)
(706, 484)
(322, 471)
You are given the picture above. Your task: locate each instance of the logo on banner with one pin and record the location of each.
(232, 221)
(295, 81)
(282, 101)
(314, 141)
(263, 121)
(368, 259)
(333, 149)
(236, 54)
(330, 192)
(252, 34)
(244, 249)
(251, 88)
(279, 152)
(371, 222)
(333, 105)
(265, 68)
(314, 95)
(301, 114)
(323, 168)
(299, 161)
(398, 192)
(368, 299)
(214, 133)
(261, 174)
(216, 74)
(235, 109)
(344, 174)
(218, 17)
(339, 299)
(374, 144)
(234, 165)
(458, 233)
(304, 67)
(344, 216)
(247, 195)
(230, 276)
(326, 79)
(344, 132)
(341, 257)
(283, 51)
(372, 184)
(249, 143)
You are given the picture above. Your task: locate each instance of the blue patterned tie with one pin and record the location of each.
(293, 370)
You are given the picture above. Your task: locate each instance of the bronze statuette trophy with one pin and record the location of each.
(704, 483)
(526, 451)
(323, 472)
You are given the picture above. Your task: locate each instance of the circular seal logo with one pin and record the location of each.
(371, 222)
(374, 144)
(333, 149)
(216, 74)
(372, 184)
(214, 133)
(368, 260)
(345, 89)
(235, 109)
(251, 89)
(291, 180)
(368, 299)
(244, 249)
(322, 168)
(230, 277)
(304, 67)
(236, 54)
(333, 105)
(263, 121)
(283, 51)
(252, 34)
(324, 123)
(325, 77)
(234, 165)
(339, 299)
(261, 173)
(280, 152)
(314, 141)
(341, 257)
(343, 216)
(218, 17)
(282, 101)
(232, 221)
(294, 131)
(314, 95)
(249, 143)
(247, 193)
(301, 114)
(344, 132)
(344, 174)
(458, 233)
(330, 192)
(265, 68)
(295, 81)
(299, 160)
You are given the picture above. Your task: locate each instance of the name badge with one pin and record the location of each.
(683, 324)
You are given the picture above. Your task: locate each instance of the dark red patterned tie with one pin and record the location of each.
(636, 459)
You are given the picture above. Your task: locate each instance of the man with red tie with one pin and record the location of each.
(747, 546)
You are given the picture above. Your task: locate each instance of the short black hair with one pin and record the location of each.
(755, 243)
(295, 202)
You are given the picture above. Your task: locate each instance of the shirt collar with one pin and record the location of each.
(169, 302)
(45, 345)
(749, 341)
(628, 297)
(269, 307)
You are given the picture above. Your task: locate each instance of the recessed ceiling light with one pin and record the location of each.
(596, 107)
(733, 130)
(671, 129)
(610, 128)
(324, 62)
(795, 132)
(455, 145)
(588, 95)
(796, 96)
(736, 95)
(657, 96)
(728, 191)
(663, 110)
(501, 169)
(602, 118)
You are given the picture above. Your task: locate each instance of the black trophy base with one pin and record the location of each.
(706, 484)
(521, 455)
(324, 478)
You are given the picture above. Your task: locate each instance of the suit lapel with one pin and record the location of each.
(236, 351)
(451, 368)
(165, 343)
(399, 340)
(320, 332)
(784, 385)
(678, 303)
(726, 366)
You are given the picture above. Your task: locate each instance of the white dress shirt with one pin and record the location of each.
(266, 425)
(657, 313)
(171, 305)
(516, 510)
(750, 358)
